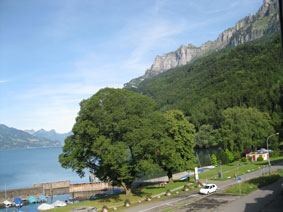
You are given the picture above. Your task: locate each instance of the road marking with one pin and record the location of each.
(227, 199)
(164, 203)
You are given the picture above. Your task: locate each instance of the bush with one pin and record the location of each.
(229, 155)
(260, 159)
(237, 155)
(223, 157)
(244, 159)
(274, 153)
(213, 159)
(127, 202)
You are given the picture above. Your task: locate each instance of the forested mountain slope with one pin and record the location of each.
(250, 75)
(265, 22)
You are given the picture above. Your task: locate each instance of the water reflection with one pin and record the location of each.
(204, 156)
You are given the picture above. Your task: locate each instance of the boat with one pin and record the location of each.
(59, 203)
(18, 202)
(32, 199)
(42, 198)
(44, 207)
(8, 203)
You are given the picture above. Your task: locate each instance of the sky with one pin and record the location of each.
(54, 54)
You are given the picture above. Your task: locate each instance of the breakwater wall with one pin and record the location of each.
(55, 188)
(47, 189)
(23, 193)
(86, 190)
(88, 187)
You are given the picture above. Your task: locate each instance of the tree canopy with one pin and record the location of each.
(176, 149)
(115, 136)
(244, 127)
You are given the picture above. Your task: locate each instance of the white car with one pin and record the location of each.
(208, 188)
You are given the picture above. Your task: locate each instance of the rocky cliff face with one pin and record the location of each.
(264, 22)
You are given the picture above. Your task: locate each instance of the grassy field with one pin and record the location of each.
(254, 184)
(240, 168)
(118, 199)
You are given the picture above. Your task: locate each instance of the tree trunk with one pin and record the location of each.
(170, 176)
(127, 188)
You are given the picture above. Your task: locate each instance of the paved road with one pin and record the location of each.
(268, 198)
(196, 202)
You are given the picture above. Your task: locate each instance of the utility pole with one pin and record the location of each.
(269, 164)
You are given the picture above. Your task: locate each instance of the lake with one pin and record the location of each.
(204, 156)
(24, 167)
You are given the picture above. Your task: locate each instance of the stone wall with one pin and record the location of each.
(88, 187)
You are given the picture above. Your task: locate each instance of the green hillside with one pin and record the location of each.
(250, 75)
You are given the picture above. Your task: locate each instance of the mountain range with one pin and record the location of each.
(11, 138)
(264, 22)
(51, 135)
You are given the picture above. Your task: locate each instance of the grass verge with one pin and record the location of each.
(238, 167)
(253, 184)
(117, 200)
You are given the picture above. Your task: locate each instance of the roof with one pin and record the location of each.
(257, 153)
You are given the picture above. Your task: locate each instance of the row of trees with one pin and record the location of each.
(120, 135)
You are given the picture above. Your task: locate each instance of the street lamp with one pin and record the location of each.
(269, 165)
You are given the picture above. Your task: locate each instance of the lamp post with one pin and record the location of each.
(269, 165)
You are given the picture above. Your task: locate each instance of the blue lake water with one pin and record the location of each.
(24, 167)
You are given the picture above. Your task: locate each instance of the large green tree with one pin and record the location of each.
(114, 136)
(244, 127)
(176, 149)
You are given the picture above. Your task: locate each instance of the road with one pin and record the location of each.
(192, 201)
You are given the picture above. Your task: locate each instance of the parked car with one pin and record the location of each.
(208, 188)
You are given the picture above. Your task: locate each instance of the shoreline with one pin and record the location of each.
(27, 148)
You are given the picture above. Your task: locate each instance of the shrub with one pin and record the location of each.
(148, 197)
(260, 159)
(244, 159)
(237, 155)
(274, 153)
(127, 202)
(229, 155)
(223, 157)
(105, 208)
(213, 159)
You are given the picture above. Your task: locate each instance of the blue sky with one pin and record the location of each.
(55, 53)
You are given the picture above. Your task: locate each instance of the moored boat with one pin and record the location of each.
(32, 199)
(7, 203)
(18, 202)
